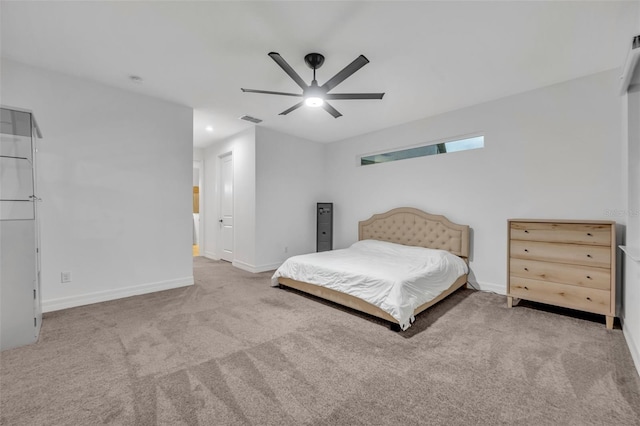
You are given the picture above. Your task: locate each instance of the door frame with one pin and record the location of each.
(199, 164)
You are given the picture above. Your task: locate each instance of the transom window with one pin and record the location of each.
(422, 151)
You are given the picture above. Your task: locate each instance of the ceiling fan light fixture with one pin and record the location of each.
(313, 95)
(314, 101)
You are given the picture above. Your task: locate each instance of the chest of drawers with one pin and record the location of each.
(563, 263)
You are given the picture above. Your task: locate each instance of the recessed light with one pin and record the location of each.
(209, 128)
(136, 79)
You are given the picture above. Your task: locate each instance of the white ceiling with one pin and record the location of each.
(429, 57)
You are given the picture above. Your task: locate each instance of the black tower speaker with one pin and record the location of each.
(324, 221)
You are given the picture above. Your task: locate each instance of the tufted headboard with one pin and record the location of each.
(413, 227)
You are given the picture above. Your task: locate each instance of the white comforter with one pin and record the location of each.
(393, 277)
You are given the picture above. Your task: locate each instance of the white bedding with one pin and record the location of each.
(393, 277)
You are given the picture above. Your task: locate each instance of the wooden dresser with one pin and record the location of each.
(569, 263)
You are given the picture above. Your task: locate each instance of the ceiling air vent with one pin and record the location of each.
(251, 119)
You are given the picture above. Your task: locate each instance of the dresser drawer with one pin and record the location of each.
(574, 254)
(569, 296)
(584, 276)
(570, 233)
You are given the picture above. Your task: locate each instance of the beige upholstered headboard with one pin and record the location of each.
(413, 227)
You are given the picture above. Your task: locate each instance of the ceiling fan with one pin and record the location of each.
(314, 95)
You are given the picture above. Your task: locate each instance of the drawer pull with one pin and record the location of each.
(526, 231)
(526, 288)
(589, 234)
(589, 299)
(589, 256)
(526, 269)
(527, 250)
(589, 277)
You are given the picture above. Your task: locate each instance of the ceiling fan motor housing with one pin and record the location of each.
(314, 60)
(314, 91)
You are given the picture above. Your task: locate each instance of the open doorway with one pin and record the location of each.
(197, 202)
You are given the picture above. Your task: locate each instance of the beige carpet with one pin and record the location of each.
(231, 350)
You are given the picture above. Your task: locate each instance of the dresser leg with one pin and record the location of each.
(509, 302)
(609, 323)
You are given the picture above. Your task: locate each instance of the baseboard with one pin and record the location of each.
(210, 255)
(255, 269)
(246, 266)
(104, 296)
(490, 287)
(633, 346)
(271, 267)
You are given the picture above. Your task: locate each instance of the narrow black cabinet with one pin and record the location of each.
(324, 221)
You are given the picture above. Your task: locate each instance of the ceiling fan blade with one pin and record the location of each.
(293, 108)
(354, 66)
(287, 68)
(354, 95)
(268, 92)
(331, 110)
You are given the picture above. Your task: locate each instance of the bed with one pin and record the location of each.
(387, 239)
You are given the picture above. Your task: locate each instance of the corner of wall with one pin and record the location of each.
(488, 287)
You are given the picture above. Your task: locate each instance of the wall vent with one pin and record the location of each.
(251, 119)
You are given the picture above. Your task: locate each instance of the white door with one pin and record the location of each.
(226, 207)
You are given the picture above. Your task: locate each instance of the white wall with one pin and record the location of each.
(198, 154)
(549, 153)
(243, 147)
(289, 182)
(115, 177)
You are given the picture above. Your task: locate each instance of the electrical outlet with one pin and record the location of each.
(65, 277)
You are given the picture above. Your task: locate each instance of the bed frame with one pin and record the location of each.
(404, 225)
